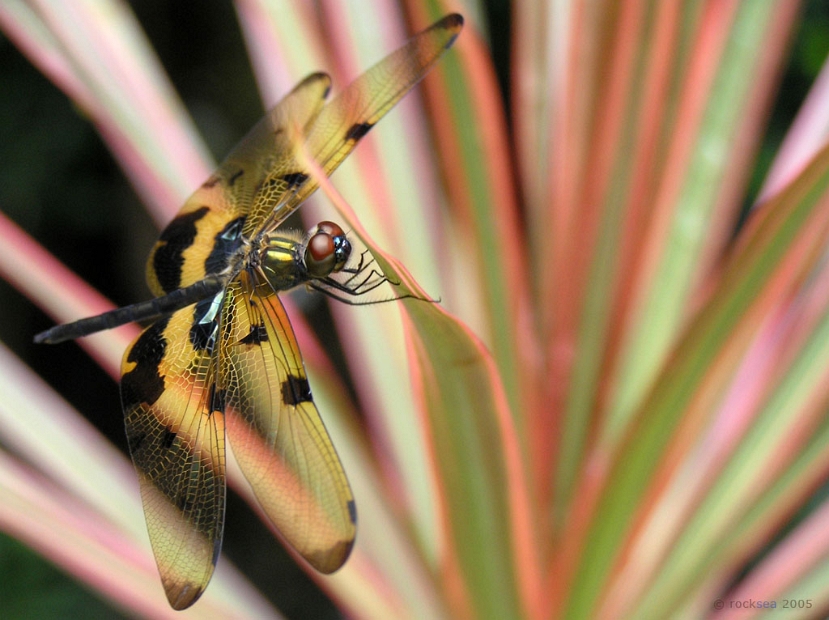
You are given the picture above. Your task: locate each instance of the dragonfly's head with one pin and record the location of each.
(327, 250)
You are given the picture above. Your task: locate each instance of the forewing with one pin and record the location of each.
(353, 112)
(201, 235)
(276, 431)
(177, 444)
(254, 170)
(262, 181)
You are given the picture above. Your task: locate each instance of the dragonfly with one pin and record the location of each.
(221, 356)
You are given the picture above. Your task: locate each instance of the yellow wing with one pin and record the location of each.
(275, 429)
(184, 248)
(337, 129)
(177, 442)
(261, 183)
(233, 359)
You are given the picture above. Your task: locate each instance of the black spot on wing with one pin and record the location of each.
(191, 481)
(451, 22)
(183, 502)
(136, 440)
(217, 399)
(357, 131)
(296, 390)
(205, 326)
(201, 335)
(215, 179)
(235, 177)
(167, 439)
(225, 244)
(258, 334)
(352, 511)
(168, 258)
(294, 179)
(144, 384)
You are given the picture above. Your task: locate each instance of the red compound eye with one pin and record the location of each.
(330, 228)
(327, 251)
(320, 246)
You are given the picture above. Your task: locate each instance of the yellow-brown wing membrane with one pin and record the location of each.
(178, 447)
(261, 182)
(275, 429)
(194, 243)
(232, 358)
(337, 129)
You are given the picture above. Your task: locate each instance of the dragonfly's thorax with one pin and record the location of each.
(289, 260)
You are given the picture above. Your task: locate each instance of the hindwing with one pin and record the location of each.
(275, 428)
(177, 441)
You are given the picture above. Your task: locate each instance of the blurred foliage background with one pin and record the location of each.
(59, 183)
